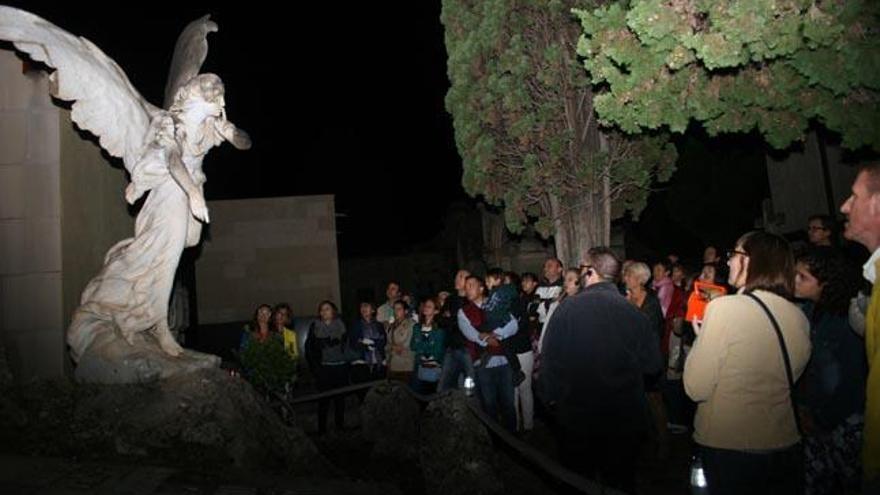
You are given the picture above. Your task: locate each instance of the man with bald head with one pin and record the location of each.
(862, 210)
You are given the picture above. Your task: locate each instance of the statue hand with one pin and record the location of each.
(241, 140)
(198, 207)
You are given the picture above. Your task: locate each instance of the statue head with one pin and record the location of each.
(202, 89)
(211, 88)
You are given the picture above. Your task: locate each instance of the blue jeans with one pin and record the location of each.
(497, 394)
(455, 362)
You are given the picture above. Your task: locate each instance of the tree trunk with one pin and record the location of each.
(581, 223)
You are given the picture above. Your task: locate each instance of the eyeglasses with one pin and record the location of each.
(813, 228)
(586, 270)
(734, 252)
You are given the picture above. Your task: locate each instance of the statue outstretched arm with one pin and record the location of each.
(234, 135)
(181, 175)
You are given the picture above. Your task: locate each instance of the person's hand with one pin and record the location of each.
(484, 336)
(492, 341)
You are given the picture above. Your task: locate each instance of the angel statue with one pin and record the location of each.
(120, 330)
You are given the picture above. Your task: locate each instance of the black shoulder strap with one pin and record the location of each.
(785, 358)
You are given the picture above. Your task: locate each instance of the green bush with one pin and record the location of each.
(266, 364)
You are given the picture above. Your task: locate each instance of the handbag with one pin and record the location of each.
(429, 374)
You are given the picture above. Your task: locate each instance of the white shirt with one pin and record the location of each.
(869, 270)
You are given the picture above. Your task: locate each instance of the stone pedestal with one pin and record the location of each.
(112, 360)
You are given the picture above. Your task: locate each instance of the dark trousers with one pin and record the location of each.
(330, 377)
(497, 395)
(610, 460)
(736, 472)
(679, 407)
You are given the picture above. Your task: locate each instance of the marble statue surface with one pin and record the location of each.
(120, 331)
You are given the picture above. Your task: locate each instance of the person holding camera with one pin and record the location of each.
(750, 349)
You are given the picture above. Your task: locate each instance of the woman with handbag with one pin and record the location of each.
(428, 346)
(750, 349)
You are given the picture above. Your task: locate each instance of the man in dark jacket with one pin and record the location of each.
(457, 360)
(594, 357)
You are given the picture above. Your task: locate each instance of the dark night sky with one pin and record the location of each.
(348, 99)
(338, 98)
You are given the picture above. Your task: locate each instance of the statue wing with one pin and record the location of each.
(189, 55)
(105, 102)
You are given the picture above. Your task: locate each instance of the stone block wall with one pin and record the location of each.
(31, 319)
(267, 250)
(61, 208)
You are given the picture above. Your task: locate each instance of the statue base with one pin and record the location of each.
(112, 360)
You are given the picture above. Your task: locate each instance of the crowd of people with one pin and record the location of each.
(771, 379)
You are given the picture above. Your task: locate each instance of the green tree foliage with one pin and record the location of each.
(737, 65)
(267, 365)
(522, 108)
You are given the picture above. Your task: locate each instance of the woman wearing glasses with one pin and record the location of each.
(740, 374)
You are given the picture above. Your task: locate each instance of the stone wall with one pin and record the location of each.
(31, 318)
(94, 214)
(267, 250)
(61, 208)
